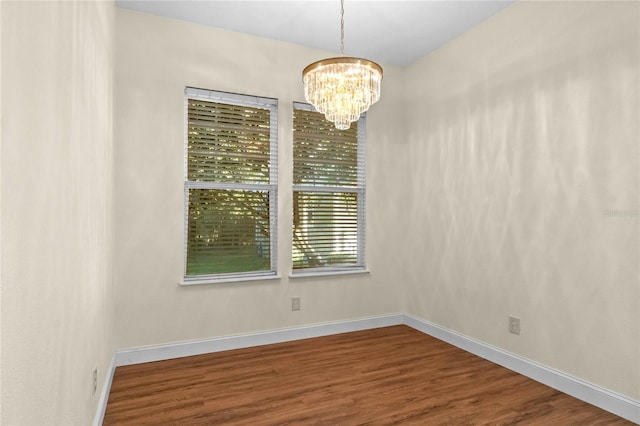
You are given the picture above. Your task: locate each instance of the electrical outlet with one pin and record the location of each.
(295, 303)
(514, 325)
(95, 380)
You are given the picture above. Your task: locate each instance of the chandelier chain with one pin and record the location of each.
(342, 27)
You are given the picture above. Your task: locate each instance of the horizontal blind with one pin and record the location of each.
(230, 184)
(322, 154)
(328, 192)
(228, 231)
(227, 143)
(325, 229)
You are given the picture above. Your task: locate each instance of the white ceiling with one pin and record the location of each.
(392, 32)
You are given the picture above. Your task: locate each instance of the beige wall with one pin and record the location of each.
(491, 166)
(523, 134)
(57, 62)
(156, 59)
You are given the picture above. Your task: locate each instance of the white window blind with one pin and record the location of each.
(230, 185)
(328, 193)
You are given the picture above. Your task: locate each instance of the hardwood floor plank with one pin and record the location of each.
(385, 376)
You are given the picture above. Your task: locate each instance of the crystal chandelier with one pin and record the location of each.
(342, 88)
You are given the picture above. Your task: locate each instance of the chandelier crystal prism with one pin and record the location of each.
(344, 87)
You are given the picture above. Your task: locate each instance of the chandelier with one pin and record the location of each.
(344, 87)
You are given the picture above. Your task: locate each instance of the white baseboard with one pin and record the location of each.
(593, 394)
(104, 394)
(199, 347)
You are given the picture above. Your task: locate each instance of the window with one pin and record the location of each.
(328, 194)
(230, 186)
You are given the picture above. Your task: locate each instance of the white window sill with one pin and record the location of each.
(220, 280)
(326, 273)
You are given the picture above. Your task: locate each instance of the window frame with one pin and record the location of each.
(359, 189)
(271, 188)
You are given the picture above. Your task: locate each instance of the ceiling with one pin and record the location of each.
(394, 32)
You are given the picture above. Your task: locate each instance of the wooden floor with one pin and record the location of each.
(392, 375)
